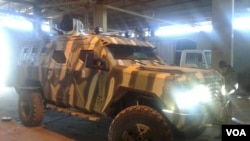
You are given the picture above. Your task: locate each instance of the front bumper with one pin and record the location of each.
(208, 115)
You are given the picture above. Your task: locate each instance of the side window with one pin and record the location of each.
(194, 58)
(44, 50)
(87, 56)
(26, 50)
(23, 56)
(59, 56)
(177, 58)
(208, 58)
(184, 44)
(34, 50)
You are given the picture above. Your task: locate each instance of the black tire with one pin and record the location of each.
(139, 123)
(31, 109)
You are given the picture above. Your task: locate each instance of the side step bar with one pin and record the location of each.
(73, 112)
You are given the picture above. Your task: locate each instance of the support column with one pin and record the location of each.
(222, 37)
(100, 17)
(37, 23)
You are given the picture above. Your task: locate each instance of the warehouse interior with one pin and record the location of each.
(172, 26)
(220, 26)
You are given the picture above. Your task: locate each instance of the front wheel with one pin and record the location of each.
(139, 123)
(31, 109)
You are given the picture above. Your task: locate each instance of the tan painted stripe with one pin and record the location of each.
(63, 71)
(68, 50)
(120, 41)
(62, 68)
(113, 40)
(133, 42)
(54, 91)
(93, 43)
(159, 83)
(120, 62)
(79, 65)
(107, 39)
(126, 76)
(110, 92)
(74, 57)
(71, 95)
(141, 81)
(51, 66)
(91, 88)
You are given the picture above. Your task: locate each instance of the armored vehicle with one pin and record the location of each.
(93, 76)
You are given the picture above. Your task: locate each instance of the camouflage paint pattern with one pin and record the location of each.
(67, 81)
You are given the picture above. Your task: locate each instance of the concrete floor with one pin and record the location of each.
(61, 127)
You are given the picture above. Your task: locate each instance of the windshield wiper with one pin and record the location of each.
(137, 61)
(157, 62)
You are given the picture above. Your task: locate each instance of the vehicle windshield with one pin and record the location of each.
(132, 53)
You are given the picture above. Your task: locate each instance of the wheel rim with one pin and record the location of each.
(137, 132)
(26, 108)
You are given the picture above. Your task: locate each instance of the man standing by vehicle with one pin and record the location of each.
(230, 76)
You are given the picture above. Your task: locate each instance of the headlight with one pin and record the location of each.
(189, 98)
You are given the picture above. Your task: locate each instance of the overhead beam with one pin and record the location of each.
(134, 13)
(137, 14)
(4, 3)
(52, 3)
(17, 14)
(21, 1)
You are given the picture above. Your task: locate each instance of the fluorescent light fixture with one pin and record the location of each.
(183, 29)
(175, 30)
(204, 26)
(19, 23)
(16, 22)
(241, 23)
(45, 27)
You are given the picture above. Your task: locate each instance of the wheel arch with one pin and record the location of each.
(29, 86)
(126, 97)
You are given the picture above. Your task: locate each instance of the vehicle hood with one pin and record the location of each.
(195, 72)
(180, 73)
(156, 79)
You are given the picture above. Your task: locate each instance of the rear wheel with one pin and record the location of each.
(139, 123)
(31, 109)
